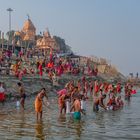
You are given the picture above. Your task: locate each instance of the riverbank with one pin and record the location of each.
(33, 84)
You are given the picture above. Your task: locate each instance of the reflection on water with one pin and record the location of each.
(78, 128)
(39, 131)
(123, 124)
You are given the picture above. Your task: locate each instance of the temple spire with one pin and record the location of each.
(47, 33)
(28, 16)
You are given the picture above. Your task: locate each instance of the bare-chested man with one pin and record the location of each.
(22, 94)
(77, 108)
(99, 102)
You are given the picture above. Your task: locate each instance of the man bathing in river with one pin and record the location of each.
(62, 103)
(22, 94)
(99, 102)
(77, 108)
(39, 102)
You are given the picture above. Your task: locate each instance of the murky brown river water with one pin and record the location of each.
(112, 125)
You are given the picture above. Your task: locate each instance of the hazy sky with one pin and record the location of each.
(104, 28)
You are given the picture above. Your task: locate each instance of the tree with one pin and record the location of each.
(62, 45)
(38, 37)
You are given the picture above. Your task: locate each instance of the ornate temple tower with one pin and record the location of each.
(28, 31)
(46, 42)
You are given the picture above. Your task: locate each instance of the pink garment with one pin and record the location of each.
(59, 71)
(20, 75)
(134, 91)
(61, 92)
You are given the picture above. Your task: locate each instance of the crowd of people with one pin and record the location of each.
(72, 99)
(105, 95)
(31, 64)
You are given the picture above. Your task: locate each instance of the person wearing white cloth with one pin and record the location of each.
(67, 106)
(2, 90)
(83, 103)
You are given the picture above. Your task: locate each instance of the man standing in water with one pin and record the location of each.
(22, 94)
(99, 102)
(77, 108)
(39, 102)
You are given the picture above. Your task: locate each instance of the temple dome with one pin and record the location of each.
(29, 26)
(28, 31)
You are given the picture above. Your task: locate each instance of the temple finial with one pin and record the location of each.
(28, 16)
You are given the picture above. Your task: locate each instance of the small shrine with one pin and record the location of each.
(46, 42)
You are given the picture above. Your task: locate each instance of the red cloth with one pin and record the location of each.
(96, 88)
(134, 91)
(2, 96)
(40, 70)
(50, 65)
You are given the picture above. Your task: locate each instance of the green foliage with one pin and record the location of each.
(62, 45)
(38, 37)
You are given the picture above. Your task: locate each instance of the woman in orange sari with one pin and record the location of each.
(39, 103)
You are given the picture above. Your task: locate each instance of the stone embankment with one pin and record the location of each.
(34, 84)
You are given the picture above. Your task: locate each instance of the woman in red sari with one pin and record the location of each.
(40, 70)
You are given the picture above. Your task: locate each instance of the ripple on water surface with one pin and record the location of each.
(119, 125)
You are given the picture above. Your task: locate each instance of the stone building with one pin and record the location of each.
(29, 31)
(26, 36)
(46, 42)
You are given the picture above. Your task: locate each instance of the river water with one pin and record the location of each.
(123, 124)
